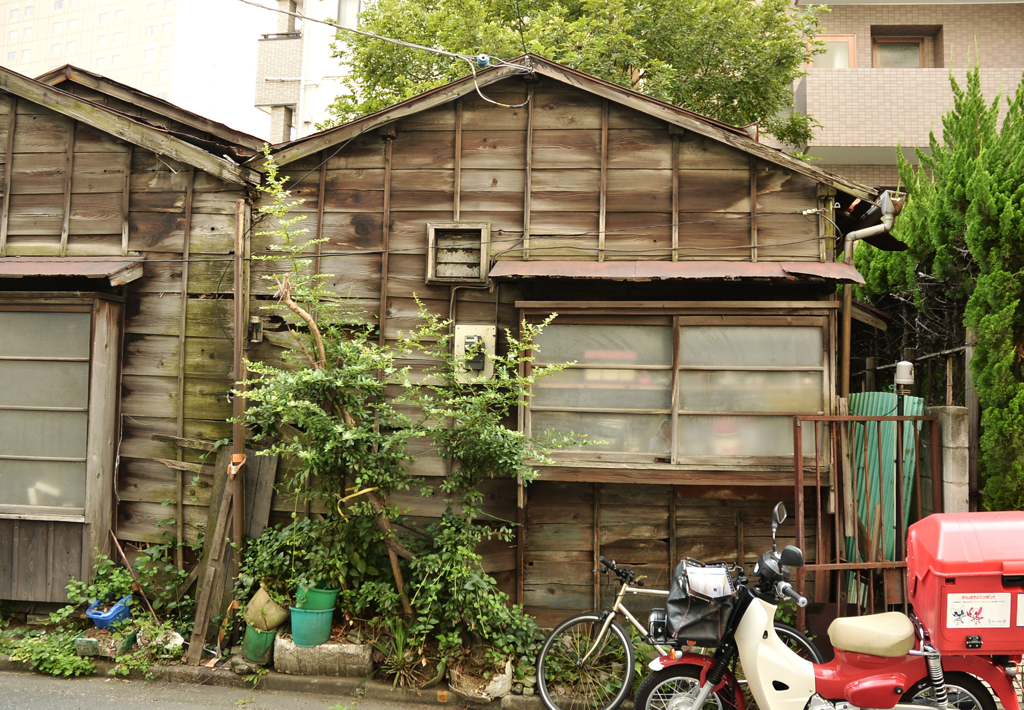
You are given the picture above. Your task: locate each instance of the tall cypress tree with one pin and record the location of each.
(964, 225)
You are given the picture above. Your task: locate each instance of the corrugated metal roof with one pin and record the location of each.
(120, 270)
(664, 270)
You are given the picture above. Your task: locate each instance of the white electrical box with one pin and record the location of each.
(468, 337)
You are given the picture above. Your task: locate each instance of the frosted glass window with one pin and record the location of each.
(42, 483)
(44, 399)
(598, 345)
(27, 33)
(72, 24)
(605, 389)
(620, 433)
(750, 391)
(57, 27)
(30, 10)
(898, 55)
(740, 436)
(836, 56)
(736, 346)
(119, 14)
(118, 37)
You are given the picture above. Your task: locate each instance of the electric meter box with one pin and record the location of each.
(965, 578)
(479, 339)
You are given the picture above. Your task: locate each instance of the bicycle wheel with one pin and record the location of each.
(601, 682)
(798, 643)
(667, 690)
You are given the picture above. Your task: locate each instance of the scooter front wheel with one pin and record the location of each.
(675, 688)
(965, 692)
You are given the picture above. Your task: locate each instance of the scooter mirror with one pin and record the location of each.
(778, 516)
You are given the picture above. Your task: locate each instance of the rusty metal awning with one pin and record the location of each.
(120, 270)
(666, 270)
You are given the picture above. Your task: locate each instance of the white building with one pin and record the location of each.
(296, 76)
(197, 54)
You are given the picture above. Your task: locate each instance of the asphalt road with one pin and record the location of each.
(30, 691)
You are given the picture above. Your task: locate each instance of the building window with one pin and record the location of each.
(72, 24)
(840, 52)
(71, 46)
(147, 56)
(165, 76)
(101, 40)
(115, 61)
(457, 252)
(26, 54)
(101, 62)
(168, 28)
(58, 5)
(30, 10)
(737, 387)
(118, 37)
(151, 8)
(12, 56)
(898, 52)
(57, 26)
(27, 33)
(165, 51)
(168, 5)
(147, 77)
(45, 417)
(119, 15)
(13, 34)
(151, 30)
(54, 49)
(104, 16)
(14, 13)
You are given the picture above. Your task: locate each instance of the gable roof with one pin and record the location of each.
(131, 95)
(688, 120)
(125, 127)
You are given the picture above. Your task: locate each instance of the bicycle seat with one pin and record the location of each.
(890, 634)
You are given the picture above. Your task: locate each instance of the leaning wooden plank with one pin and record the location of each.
(186, 466)
(186, 442)
(260, 474)
(122, 127)
(204, 608)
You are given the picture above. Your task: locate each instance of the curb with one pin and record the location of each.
(318, 685)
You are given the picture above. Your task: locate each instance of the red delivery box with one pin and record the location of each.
(965, 578)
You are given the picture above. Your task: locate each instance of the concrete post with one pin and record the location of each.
(953, 437)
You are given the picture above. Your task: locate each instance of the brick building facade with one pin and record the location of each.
(885, 80)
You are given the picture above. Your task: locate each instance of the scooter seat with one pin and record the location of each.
(889, 635)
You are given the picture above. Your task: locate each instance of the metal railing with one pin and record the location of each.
(860, 540)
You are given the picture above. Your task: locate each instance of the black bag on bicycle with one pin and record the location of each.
(700, 601)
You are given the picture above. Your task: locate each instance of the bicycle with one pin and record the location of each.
(588, 659)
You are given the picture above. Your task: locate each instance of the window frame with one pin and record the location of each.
(850, 39)
(875, 41)
(813, 314)
(107, 326)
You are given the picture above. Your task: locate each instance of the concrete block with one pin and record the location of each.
(955, 465)
(953, 427)
(330, 659)
(956, 497)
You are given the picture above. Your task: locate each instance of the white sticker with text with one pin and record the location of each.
(978, 611)
(1020, 610)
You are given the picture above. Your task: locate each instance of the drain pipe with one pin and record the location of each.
(889, 205)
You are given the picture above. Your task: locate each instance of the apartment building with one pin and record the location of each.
(197, 54)
(884, 80)
(296, 76)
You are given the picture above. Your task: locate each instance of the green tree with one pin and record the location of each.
(732, 60)
(964, 224)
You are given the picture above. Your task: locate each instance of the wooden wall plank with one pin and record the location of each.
(150, 355)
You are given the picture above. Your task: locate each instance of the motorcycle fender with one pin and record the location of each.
(705, 663)
(989, 672)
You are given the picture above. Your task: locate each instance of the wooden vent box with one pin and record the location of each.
(457, 252)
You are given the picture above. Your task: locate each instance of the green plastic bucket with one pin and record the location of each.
(258, 646)
(316, 599)
(311, 627)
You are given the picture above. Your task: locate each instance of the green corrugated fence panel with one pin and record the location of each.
(882, 488)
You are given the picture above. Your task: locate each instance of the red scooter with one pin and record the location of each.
(966, 584)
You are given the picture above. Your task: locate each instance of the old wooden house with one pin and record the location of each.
(692, 269)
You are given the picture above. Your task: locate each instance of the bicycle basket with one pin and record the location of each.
(700, 601)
